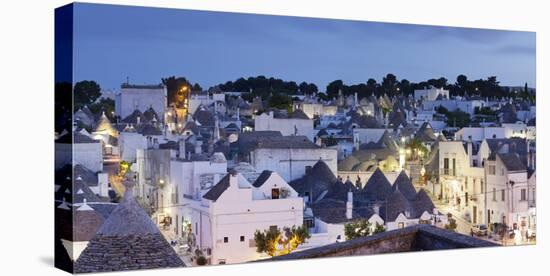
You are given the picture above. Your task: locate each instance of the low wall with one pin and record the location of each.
(414, 238)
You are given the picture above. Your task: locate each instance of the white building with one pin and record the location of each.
(141, 97)
(480, 133)
(316, 109)
(510, 195)
(80, 150)
(290, 156)
(520, 130)
(462, 178)
(297, 123)
(129, 142)
(222, 222)
(430, 94)
(205, 99)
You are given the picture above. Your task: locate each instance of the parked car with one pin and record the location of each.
(479, 230)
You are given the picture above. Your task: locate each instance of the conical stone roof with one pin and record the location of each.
(404, 185)
(127, 240)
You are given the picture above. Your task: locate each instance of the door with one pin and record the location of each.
(488, 217)
(474, 214)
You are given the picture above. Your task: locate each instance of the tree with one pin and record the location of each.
(106, 105)
(416, 149)
(389, 84)
(85, 93)
(196, 87)
(307, 88)
(372, 86)
(462, 81)
(178, 89)
(452, 224)
(275, 242)
(378, 228)
(63, 106)
(356, 229)
(280, 101)
(458, 119)
(334, 87)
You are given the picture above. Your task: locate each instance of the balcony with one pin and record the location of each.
(448, 171)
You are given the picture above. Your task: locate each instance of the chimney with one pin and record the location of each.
(349, 205)
(376, 209)
(155, 143)
(181, 148)
(470, 152)
(138, 120)
(149, 142)
(198, 147)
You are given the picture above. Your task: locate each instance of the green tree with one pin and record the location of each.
(416, 149)
(85, 93)
(333, 88)
(378, 228)
(280, 101)
(451, 226)
(458, 119)
(106, 105)
(389, 84)
(356, 229)
(275, 242)
(177, 89)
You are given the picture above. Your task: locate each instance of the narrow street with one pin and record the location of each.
(112, 166)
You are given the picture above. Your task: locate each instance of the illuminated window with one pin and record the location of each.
(275, 193)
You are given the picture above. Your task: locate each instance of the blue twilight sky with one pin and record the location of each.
(146, 44)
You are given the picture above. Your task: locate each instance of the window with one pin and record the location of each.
(492, 169)
(225, 239)
(454, 166)
(208, 251)
(242, 238)
(445, 165)
(481, 186)
(466, 183)
(196, 228)
(275, 193)
(501, 171)
(401, 225)
(273, 228)
(523, 194)
(494, 194)
(502, 195)
(309, 222)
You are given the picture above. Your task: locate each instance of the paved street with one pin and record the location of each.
(111, 166)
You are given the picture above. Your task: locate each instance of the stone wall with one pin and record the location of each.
(414, 238)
